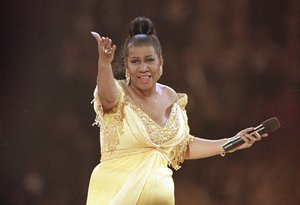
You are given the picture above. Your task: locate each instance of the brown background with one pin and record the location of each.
(237, 60)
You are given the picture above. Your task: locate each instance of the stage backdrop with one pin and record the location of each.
(238, 61)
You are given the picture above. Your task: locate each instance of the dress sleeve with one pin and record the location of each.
(110, 122)
(178, 152)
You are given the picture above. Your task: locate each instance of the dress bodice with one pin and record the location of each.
(127, 127)
(136, 153)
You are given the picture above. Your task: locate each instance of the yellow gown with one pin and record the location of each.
(136, 154)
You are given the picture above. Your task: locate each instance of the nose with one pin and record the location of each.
(144, 67)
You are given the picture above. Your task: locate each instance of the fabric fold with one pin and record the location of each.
(134, 160)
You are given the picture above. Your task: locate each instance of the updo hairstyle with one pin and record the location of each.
(141, 32)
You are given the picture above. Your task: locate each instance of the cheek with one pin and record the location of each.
(156, 68)
(131, 69)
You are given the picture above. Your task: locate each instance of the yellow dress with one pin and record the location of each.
(136, 154)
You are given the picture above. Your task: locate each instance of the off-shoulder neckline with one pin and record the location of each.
(181, 102)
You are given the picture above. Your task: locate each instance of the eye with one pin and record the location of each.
(134, 61)
(150, 59)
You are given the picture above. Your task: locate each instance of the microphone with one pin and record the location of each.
(268, 126)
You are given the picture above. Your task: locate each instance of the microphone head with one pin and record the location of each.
(271, 124)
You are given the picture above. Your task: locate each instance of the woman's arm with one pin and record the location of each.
(106, 86)
(202, 148)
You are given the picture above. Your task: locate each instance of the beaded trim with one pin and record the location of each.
(157, 133)
(177, 154)
(110, 123)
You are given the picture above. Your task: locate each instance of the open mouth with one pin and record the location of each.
(145, 78)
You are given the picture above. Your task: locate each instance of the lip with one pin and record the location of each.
(144, 78)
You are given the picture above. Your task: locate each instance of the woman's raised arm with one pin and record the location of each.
(106, 86)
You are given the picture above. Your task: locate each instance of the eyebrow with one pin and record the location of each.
(133, 58)
(147, 56)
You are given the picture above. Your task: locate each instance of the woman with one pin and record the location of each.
(144, 127)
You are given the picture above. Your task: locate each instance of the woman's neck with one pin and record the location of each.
(144, 94)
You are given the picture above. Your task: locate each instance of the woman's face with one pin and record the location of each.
(144, 66)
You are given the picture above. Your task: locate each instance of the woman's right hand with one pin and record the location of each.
(105, 48)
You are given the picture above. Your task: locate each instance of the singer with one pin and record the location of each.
(143, 124)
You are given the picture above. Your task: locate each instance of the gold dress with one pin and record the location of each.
(136, 154)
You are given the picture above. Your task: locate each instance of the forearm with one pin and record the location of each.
(107, 88)
(202, 148)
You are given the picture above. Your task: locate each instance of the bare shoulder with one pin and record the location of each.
(127, 93)
(169, 92)
(124, 86)
(122, 83)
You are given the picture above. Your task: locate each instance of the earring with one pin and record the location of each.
(127, 76)
(160, 71)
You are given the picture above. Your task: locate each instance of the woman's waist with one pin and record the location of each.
(136, 153)
(119, 167)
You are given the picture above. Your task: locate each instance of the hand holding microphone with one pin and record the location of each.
(251, 134)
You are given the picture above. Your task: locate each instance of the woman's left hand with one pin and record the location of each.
(249, 139)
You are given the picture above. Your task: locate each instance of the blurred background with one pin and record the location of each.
(238, 60)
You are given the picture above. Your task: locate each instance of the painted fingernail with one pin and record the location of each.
(94, 33)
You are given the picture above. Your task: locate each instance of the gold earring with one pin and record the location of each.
(127, 76)
(161, 70)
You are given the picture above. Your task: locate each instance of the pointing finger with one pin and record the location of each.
(96, 36)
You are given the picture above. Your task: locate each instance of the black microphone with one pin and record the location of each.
(268, 126)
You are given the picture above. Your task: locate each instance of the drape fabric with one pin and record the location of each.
(136, 154)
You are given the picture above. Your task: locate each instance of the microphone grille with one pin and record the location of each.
(271, 124)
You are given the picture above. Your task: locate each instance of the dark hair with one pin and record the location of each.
(141, 31)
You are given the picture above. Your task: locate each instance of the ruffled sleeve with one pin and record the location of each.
(178, 152)
(110, 122)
